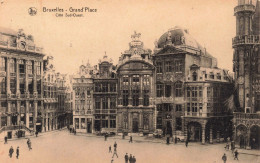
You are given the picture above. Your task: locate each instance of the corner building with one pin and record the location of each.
(21, 75)
(190, 89)
(246, 66)
(135, 72)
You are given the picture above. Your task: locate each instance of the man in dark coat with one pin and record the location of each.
(17, 152)
(131, 139)
(115, 145)
(110, 150)
(11, 151)
(187, 142)
(130, 158)
(175, 140)
(224, 158)
(5, 139)
(36, 133)
(126, 158)
(134, 160)
(115, 153)
(236, 155)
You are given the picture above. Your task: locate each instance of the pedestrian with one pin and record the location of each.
(187, 142)
(75, 131)
(126, 158)
(5, 139)
(224, 158)
(236, 155)
(134, 160)
(168, 140)
(115, 153)
(105, 136)
(130, 158)
(227, 147)
(11, 151)
(115, 145)
(112, 160)
(110, 150)
(123, 136)
(17, 152)
(70, 130)
(131, 139)
(176, 140)
(36, 133)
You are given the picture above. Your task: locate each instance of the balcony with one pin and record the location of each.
(8, 45)
(159, 100)
(245, 7)
(246, 40)
(246, 116)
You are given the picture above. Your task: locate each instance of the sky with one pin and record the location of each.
(75, 40)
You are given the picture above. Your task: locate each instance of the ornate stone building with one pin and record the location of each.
(83, 87)
(21, 85)
(190, 89)
(135, 72)
(105, 96)
(246, 66)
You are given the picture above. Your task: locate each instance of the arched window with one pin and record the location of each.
(241, 26)
(194, 76)
(178, 89)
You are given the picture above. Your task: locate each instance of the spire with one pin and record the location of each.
(256, 20)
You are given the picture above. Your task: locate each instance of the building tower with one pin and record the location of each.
(246, 52)
(246, 66)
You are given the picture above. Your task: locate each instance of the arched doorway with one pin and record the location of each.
(194, 131)
(254, 137)
(241, 132)
(135, 123)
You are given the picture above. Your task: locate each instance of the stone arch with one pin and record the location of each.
(254, 137)
(241, 135)
(194, 130)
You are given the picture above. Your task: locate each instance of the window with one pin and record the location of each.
(168, 107)
(218, 76)
(194, 107)
(135, 79)
(112, 123)
(159, 67)
(188, 107)
(211, 76)
(12, 85)
(135, 97)
(146, 80)
(178, 124)
(168, 90)
(30, 86)
(12, 66)
(2, 85)
(258, 102)
(97, 103)
(112, 103)
(178, 89)
(200, 91)
(159, 107)
(159, 90)
(97, 87)
(38, 68)
(168, 66)
(194, 76)
(178, 65)
(29, 68)
(178, 108)
(104, 87)
(125, 80)
(209, 92)
(146, 97)
(113, 87)
(39, 86)
(105, 103)
(2, 64)
(188, 91)
(125, 97)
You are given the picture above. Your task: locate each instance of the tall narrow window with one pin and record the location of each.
(97, 103)
(2, 64)
(159, 90)
(168, 66)
(29, 68)
(146, 97)
(112, 103)
(146, 80)
(2, 85)
(135, 97)
(159, 67)
(125, 80)
(178, 65)
(194, 76)
(30, 86)
(125, 97)
(135, 79)
(178, 89)
(38, 68)
(22, 85)
(12, 85)
(12, 67)
(104, 87)
(105, 103)
(168, 90)
(39, 86)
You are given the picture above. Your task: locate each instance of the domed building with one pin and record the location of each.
(190, 88)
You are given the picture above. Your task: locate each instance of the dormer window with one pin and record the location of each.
(211, 75)
(218, 76)
(194, 76)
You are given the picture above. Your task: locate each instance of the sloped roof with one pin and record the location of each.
(8, 31)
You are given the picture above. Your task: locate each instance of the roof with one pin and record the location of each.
(180, 36)
(8, 31)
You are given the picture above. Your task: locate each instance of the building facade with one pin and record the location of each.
(21, 81)
(135, 72)
(190, 89)
(105, 97)
(83, 86)
(246, 66)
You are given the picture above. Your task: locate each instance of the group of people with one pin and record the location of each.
(131, 158)
(115, 151)
(29, 144)
(11, 151)
(234, 152)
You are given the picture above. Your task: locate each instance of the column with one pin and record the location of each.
(141, 121)
(218, 138)
(34, 78)
(47, 122)
(248, 139)
(185, 128)
(141, 103)
(26, 80)
(56, 122)
(17, 80)
(27, 114)
(79, 122)
(43, 128)
(203, 133)
(42, 80)
(9, 111)
(35, 115)
(130, 100)
(108, 121)
(19, 113)
(210, 134)
(129, 122)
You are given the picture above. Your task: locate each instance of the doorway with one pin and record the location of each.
(135, 125)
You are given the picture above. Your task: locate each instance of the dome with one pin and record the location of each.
(179, 36)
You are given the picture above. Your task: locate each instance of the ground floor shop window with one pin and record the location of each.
(83, 123)
(104, 123)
